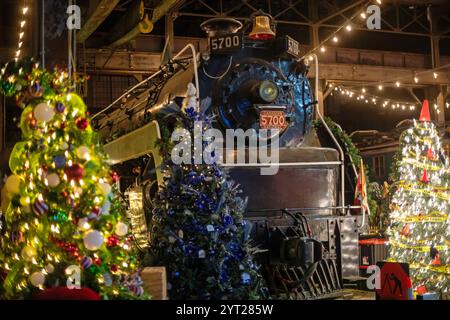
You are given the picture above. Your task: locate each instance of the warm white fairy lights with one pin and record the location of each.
(22, 25)
(374, 99)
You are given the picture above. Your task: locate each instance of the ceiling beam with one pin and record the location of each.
(98, 14)
(145, 25)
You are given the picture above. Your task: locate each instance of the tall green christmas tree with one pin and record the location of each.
(64, 218)
(419, 230)
(198, 229)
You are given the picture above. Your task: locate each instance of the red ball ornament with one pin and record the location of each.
(33, 124)
(97, 261)
(113, 241)
(114, 176)
(82, 123)
(114, 268)
(75, 172)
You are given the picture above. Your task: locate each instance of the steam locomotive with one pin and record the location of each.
(249, 79)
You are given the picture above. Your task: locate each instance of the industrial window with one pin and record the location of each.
(379, 166)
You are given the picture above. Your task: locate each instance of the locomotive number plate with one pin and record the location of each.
(272, 119)
(226, 43)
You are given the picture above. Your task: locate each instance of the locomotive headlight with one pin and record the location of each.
(268, 91)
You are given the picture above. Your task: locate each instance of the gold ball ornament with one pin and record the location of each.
(12, 184)
(28, 253)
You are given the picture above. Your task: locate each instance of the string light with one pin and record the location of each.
(380, 87)
(348, 27)
(397, 84)
(366, 98)
(322, 49)
(335, 39)
(435, 75)
(21, 32)
(416, 80)
(363, 15)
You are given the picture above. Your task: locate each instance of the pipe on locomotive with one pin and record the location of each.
(194, 59)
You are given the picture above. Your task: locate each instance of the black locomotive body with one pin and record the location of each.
(307, 244)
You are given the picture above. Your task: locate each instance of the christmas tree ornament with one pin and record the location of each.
(64, 146)
(43, 112)
(60, 107)
(430, 154)
(53, 180)
(121, 229)
(74, 172)
(60, 161)
(112, 241)
(83, 224)
(40, 207)
(49, 268)
(36, 90)
(245, 277)
(107, 280)
(86, 262)
(83, 152)
(37, 279)
(81, 123)
(424, 178)
(28, 253)
(12, 184)
(93, 240)
(114, 177)
(138, 290)
(201, 254)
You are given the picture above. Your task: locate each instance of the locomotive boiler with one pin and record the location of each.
(249, 79)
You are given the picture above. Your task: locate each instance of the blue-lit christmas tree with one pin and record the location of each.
(199, 233)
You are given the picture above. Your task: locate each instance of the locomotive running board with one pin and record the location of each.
(136, 144)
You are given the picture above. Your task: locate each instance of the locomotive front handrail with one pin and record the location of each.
(341, 152)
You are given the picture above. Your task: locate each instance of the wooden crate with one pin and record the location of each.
(155, 282)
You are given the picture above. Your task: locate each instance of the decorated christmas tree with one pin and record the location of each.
(419, 230)
(64, 225)
(199, 233)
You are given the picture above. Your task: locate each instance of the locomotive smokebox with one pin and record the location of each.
(217, 27)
